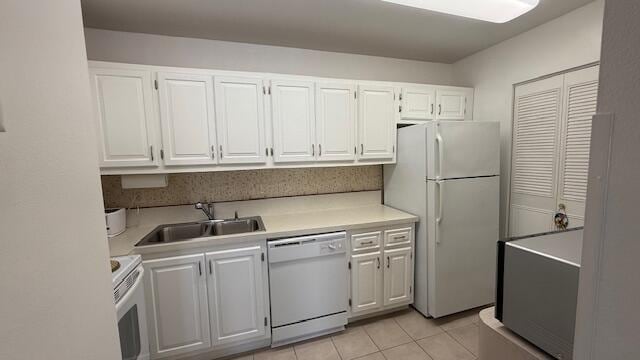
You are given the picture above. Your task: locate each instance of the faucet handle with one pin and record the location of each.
(198, 205)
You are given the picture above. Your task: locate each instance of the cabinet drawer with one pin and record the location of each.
(370, 240)
(401, 236)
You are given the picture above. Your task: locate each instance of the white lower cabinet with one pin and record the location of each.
(207, 301)
(398, 276)
(236, 295)
(176, 295)
(381, 272)
(366, 287)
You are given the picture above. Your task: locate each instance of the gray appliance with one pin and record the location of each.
(308, 286)
(537, 288)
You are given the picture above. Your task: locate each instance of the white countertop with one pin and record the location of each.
(311, 220)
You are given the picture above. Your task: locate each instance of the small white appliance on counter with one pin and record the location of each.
(447, 174)
(128, 295)
(308, 286)
(116, 219)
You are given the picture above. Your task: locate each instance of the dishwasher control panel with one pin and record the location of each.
(331, 246)
(303, 247)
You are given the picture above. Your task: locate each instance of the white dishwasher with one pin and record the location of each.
(308, 285)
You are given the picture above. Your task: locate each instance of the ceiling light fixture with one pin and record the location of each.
(495, 11)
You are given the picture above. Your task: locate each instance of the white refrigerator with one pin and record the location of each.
(447, 173)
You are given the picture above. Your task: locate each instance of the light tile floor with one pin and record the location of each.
(404, 335)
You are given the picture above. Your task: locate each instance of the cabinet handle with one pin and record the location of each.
(378, 259)
(220, 151)
(431, 109)
(210, 267)
(271, 151)
(151, 151)
(439, 109)
(367, 242)
(361, 149)
(313, 149)
(319, 149)
(200, 268)
(213, 152)
(388, 262)
(355, 150)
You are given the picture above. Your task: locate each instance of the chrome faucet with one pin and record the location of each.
(207, 209)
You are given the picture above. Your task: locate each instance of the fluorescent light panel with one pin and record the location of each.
(496, 11)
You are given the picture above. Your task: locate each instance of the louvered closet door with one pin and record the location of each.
(537, 115)
(581, 89)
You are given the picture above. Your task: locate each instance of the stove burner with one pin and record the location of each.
(115, 265)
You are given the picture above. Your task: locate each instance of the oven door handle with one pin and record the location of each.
(131, 291)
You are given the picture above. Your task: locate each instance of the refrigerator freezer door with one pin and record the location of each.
(457, 149)
(462, 235)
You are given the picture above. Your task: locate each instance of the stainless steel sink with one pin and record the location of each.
(186, 231)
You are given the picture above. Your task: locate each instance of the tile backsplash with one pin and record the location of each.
(190, 188)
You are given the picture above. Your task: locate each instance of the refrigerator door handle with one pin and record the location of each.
(439, 217)
(440, 148)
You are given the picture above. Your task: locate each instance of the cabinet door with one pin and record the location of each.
(377, 122)
(537, 113)
(187, 118)
(293, 108)
(176, 295)
(451, 104)
(336, 121)
(237, 294)
(123, 106)
(417, 103)
(580, 100)
(240, 120)
(366, 282)
(397, 276)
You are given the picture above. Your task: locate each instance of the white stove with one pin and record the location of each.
(128, 296)
(127, 264)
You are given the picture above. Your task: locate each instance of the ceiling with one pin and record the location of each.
(369, 27)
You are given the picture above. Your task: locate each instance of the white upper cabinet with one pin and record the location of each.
(336, 121)
(417, 103)
(376, 122)
(240, 120)
(187, 118)
(123, 105)
(293, 116)
(237, 294)
(156, 119)
(451, 104)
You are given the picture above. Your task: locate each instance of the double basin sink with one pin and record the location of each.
(170, 233)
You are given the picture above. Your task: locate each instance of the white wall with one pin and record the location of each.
(566, 42)
(608, 313)
(223, 55)
(56, 299)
